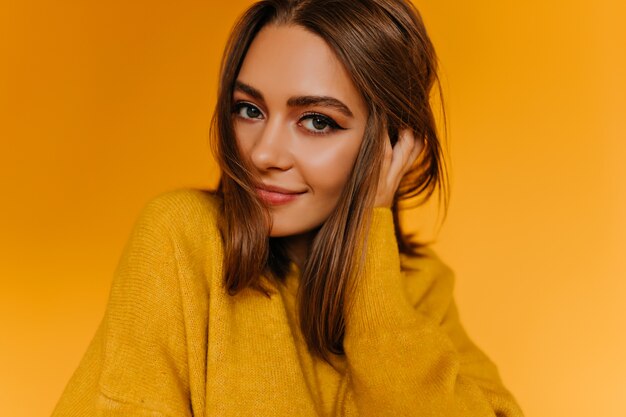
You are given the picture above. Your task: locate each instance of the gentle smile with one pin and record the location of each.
(272, 196)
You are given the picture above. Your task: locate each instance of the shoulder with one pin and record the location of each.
(183, 211)
(429, 282)
(175, 237)
(182, 223)
(188, 203)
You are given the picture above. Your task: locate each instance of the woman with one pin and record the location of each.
(291, 290)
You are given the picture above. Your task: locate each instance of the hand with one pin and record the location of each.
(396, 163)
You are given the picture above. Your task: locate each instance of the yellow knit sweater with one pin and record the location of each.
(173, 343)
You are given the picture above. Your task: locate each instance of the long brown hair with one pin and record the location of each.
(384, 46)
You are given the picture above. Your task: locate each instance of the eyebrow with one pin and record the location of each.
(298, 101)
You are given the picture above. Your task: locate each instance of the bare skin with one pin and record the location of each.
(300, 120)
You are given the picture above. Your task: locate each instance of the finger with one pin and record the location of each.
(410, 137)
(418, 145)
(401, 153)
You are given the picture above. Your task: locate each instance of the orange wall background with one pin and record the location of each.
(103, 105)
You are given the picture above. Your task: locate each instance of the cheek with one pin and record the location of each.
(329, 167)
(245, 135)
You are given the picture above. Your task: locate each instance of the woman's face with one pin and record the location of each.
(299, 120)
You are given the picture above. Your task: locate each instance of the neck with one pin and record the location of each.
(298, 247)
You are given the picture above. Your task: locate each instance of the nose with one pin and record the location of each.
(271, 149)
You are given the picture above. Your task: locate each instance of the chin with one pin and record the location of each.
(286, 230)
(281, 232)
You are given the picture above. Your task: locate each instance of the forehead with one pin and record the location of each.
(284, 61)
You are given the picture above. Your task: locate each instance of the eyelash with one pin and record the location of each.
(309, 115)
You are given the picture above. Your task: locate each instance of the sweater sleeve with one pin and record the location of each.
(414, 359)
(136, 363)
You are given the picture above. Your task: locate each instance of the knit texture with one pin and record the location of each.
(173, 343)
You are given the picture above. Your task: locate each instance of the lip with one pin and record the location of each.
(276, 189)
(274, 195)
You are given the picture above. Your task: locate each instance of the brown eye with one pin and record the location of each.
(247, 111)
(319, 124)
(252, 112)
